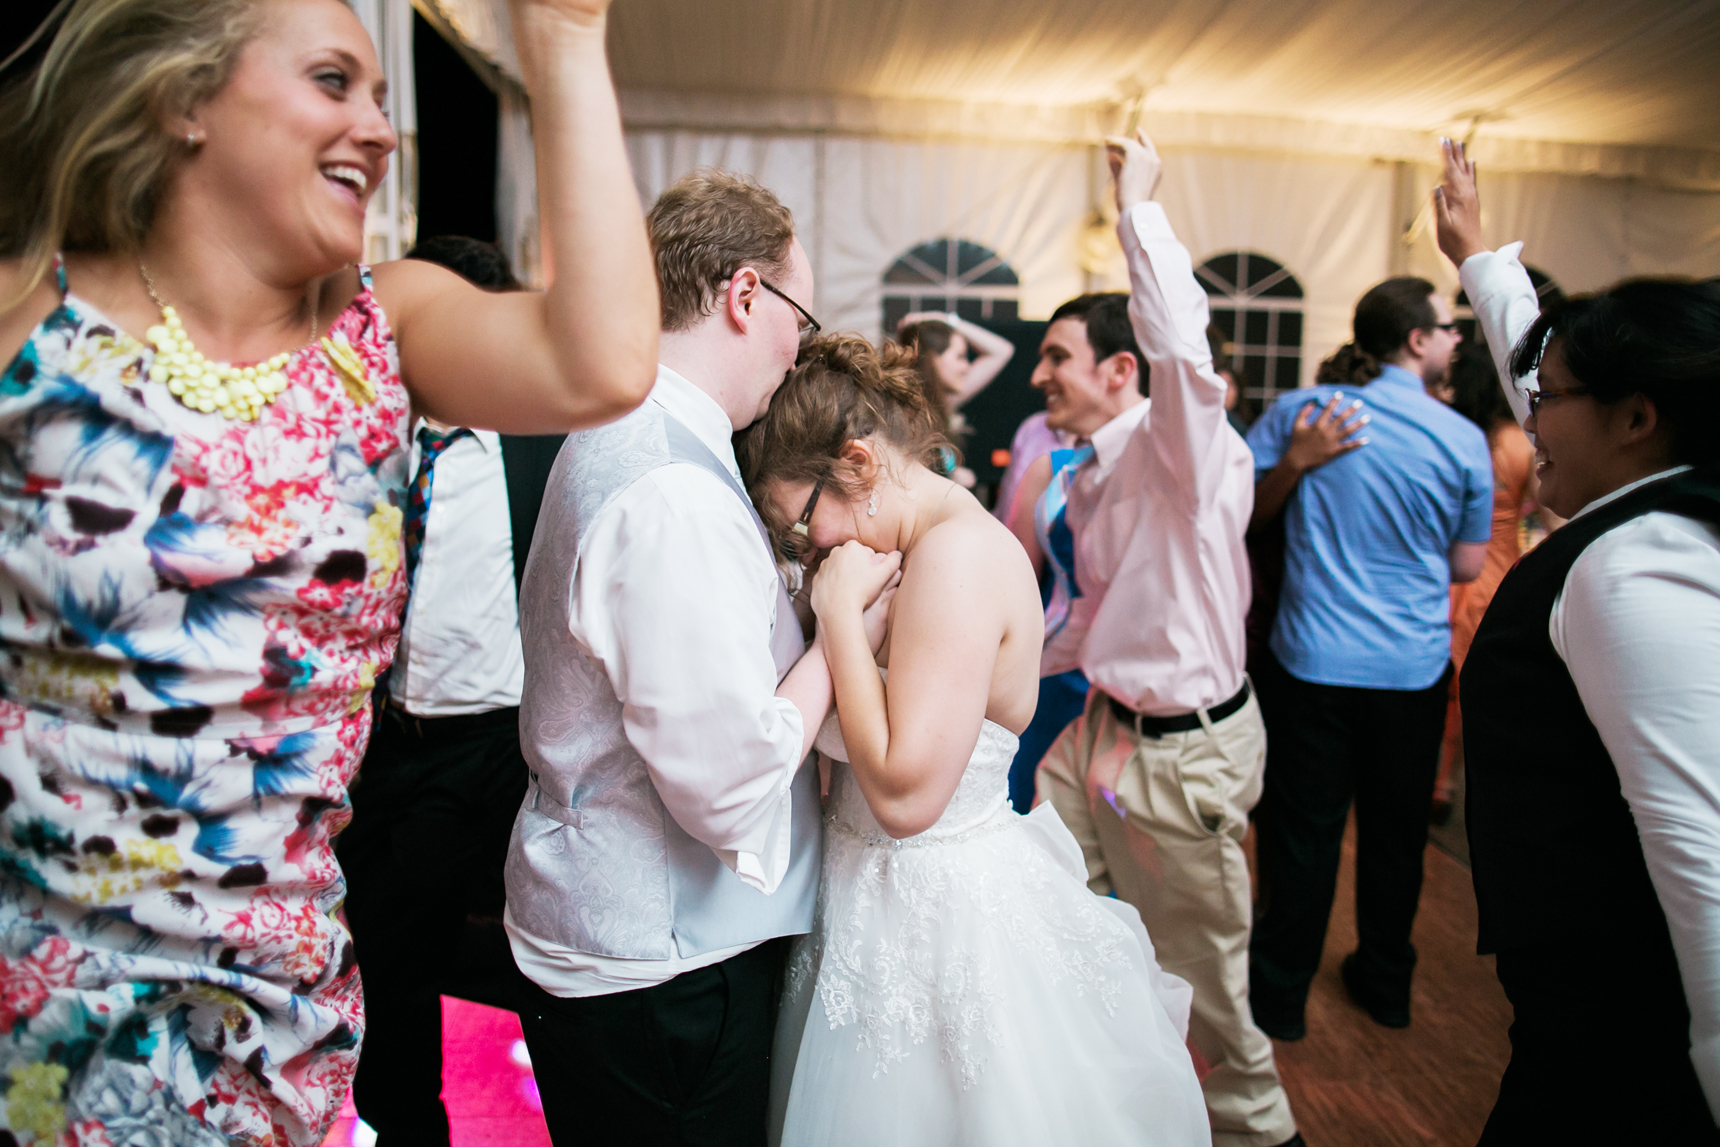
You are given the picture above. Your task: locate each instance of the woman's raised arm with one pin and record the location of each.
(584, 351)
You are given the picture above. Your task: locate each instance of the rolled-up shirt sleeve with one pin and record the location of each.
(675, 595)
(1637, 626)
(1505, 304)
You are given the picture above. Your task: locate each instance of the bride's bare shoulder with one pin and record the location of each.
(976, 541)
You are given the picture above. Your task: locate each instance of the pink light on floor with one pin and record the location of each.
(487, 1084)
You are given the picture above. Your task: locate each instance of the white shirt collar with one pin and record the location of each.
(1108, 441)
(698, 412)
(1625, 489)
(488, 439)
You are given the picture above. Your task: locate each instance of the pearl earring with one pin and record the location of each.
(191, 140)
(872, 505)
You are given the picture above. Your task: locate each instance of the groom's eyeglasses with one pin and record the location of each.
(801, 543)
(808, 325)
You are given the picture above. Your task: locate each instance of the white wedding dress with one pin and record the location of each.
(963, 986)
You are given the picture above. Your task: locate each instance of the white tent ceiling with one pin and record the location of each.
(1299, 130)
(1628, 87)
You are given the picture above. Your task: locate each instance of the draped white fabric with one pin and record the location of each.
(1597, 71)
(1300, 129)
(861, 203)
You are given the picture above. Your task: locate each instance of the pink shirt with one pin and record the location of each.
(1160, 511)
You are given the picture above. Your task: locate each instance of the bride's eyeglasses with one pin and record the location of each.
(799, 544)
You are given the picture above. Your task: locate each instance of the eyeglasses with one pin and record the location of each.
(1537, 397)
(1448, 328)
(808, 327)
(801, 543)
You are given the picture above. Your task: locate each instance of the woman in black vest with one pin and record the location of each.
(1591, 708)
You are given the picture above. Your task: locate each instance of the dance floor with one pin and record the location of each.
(1352, 1083)
(487, 1084)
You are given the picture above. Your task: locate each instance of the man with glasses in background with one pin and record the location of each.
(669, 841)
(1355, 684)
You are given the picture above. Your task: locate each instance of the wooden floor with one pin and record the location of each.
(1353, 1083)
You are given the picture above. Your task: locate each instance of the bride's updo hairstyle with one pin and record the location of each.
(840, 390)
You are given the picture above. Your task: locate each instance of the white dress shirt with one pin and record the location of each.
(1159, 521)
(460, 645)
(675, 595)
(1637, 625)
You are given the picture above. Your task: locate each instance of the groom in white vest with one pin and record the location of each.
(670, 838)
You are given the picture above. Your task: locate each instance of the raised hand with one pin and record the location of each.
(909, 320)
(1135, 169)
(850, 579)
(1456, 206)
(1318, 436)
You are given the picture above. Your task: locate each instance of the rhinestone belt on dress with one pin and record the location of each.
(877, 839)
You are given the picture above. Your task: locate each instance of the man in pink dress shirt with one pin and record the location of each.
(1157, 777)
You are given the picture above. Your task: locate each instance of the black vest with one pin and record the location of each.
(1554, 848)
(526, 462)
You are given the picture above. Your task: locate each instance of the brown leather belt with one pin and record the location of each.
(1182, 722)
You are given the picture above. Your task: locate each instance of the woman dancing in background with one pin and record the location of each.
(203, 441)
(948, 377)
(960, 985)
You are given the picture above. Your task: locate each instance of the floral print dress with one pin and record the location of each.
(193, 612)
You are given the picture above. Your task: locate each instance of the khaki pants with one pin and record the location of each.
(1161, 821)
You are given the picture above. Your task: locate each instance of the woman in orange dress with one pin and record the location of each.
(1475, 393)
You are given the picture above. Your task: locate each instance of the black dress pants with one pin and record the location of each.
(1327, 745)
(433, 806)
(1600, 1048)
(684, 1063)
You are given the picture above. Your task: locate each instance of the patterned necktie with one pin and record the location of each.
(431, 443)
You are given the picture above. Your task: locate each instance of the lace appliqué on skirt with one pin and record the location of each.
(909, 936)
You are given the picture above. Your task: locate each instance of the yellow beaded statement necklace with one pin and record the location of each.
(235, 391)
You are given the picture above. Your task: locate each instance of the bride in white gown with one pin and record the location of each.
(960, 984)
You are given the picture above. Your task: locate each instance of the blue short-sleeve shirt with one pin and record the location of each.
(1366, 597)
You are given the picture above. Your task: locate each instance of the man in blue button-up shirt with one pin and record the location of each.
(1354, 689)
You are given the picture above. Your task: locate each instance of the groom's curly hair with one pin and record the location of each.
(841, 389)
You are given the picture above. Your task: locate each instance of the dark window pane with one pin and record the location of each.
(1225, 320)
(936, 276)
(934, 254)
(907, 273)
(970, 255)
(895, 306)
(1254, 328)
(1224, 267)
(1251, 268)
(1289, 328)
(1289, 372)
(1285, 288)
(1253, 369)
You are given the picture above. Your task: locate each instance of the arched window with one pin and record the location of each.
(1257, 303)
(950, 275)
(1546, 291)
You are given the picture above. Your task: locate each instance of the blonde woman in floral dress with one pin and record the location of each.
(204, 413)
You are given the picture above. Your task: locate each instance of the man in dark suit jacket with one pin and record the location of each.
(435, 798)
